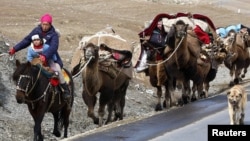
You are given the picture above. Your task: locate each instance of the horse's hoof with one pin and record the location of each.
(57, 133)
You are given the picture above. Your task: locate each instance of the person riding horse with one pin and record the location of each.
(50, 36)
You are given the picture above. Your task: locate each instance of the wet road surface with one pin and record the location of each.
(182, 123)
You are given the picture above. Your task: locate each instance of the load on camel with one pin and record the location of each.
(235, 40)
(157, 42)
(104, 61)
(154, 38)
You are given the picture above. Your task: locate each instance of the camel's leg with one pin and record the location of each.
(158, 106)
(206, 87)
(111, 107)
(237, 76)
(194, 89)
(168, 99)
(200, 91)
(90, 101)
(186, 92)
(232, 73)
(105, 97)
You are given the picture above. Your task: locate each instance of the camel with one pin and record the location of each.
(238, 59)
(182, 63)
(187, 63)
(112, 89)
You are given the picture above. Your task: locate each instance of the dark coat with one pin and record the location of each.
(51, 38)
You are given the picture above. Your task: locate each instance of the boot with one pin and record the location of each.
(66, 93)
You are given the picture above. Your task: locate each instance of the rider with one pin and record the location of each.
(47, 31)
(157, 41)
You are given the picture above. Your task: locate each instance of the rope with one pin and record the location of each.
(155, 64)
(83, 67)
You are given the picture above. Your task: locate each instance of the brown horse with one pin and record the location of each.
(35, 89)
(112, 89)
(239, 58)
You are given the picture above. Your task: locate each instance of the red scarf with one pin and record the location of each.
(38, 47)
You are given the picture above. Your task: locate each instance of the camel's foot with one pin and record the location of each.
(158, 107)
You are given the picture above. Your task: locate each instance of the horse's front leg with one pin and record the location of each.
(37, 129)
(56, 131)
(90, 101)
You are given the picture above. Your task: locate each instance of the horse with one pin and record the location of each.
(112, 88)
(238, 59)
(35, 89)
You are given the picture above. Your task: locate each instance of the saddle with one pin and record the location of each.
(49, 73)
(122, 57)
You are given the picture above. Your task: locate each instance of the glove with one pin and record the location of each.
(12, 51)
(42, 58)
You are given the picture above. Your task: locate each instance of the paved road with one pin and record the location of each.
(181, 124)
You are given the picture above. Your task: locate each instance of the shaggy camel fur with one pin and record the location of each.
(182, 65)
(112, 90)
(239, 59)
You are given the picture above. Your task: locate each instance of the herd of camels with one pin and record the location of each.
(187, 66)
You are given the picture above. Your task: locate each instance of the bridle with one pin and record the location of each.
(30, 86)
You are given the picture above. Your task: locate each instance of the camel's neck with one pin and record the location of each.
(91, 78)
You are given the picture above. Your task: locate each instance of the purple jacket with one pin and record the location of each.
(52, 39)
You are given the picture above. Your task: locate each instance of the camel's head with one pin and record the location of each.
(91, 51)
(180, 28)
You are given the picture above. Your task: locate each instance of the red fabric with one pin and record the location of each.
(149, 30)
(203, 36)
(116, 56)
(12, 51)
(38, 47)
(54, 82)
(158, 57)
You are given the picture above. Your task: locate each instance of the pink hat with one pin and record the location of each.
(46, 18)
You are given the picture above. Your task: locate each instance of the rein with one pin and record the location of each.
(165, 60)
(33, 86)
(39, 73)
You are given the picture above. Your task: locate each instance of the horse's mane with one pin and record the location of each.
(21, 67)
(24, 68)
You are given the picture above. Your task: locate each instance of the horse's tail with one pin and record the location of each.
(62, 114)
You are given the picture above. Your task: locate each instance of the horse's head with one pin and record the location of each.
(91, 51)
(180, 29)
(23, 77)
